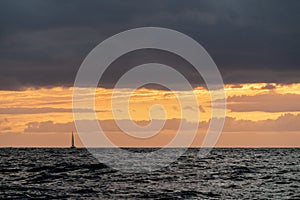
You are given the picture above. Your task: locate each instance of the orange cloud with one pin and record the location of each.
(269, 102)
(286, 122)
(22, 111)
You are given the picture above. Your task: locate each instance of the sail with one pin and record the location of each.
(73, 145)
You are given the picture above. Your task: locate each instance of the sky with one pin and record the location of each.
(255, 45)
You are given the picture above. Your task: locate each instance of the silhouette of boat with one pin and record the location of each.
(73, 145)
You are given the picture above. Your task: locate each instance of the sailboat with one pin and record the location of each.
(73, 145)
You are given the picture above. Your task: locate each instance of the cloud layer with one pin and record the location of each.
(286, 122)
(42, 43)
(265, 103)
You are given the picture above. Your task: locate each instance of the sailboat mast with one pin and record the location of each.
(73, 145)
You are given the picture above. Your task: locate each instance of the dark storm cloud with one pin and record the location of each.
(42, 43)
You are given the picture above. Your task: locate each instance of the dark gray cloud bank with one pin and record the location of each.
(42, 43)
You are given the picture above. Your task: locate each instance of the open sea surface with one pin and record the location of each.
(46, 173)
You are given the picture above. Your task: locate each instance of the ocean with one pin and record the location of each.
(240, 173)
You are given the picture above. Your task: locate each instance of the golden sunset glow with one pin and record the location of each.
(24, 113)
